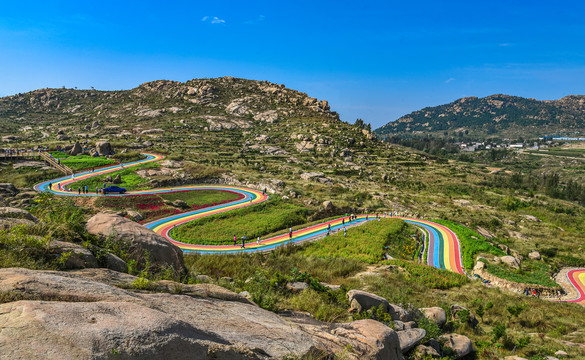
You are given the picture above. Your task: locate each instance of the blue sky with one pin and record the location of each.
(376, 60)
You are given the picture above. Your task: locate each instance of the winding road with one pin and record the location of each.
(443, 247)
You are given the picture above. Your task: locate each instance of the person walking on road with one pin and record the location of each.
(50, 186)
(344, 232)
(243, 242)
(235, 240)
(290, 233)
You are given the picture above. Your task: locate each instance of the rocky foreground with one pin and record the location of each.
(87, 314)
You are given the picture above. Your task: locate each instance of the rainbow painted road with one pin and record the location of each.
(443, 244)
(577, 279)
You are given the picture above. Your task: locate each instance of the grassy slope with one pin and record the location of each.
(81, 162)
(368, 242)
(253, 221)
(200, 197)
(130, 180)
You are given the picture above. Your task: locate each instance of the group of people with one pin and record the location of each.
(546, 292)
(350, 218)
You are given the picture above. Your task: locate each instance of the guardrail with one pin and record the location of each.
(55, 163)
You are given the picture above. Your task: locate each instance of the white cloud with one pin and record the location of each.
(449, 80)
(258, 19)
(213, 20)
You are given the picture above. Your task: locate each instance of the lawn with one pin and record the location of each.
(202, 197)
(368, 242)
(252, 222)
(531, 272)
(81, 162)
(153, 206)
(130, 180)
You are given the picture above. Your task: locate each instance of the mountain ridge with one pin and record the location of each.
(495, 115)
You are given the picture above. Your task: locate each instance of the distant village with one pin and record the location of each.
(542, 143)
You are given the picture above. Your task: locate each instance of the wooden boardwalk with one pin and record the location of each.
(36, 155)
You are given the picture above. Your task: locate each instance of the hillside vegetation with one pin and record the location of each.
(493, 116)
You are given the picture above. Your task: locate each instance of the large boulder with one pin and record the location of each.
(15, 213)
(90, 317)
(436, 315)
(511, 261)
(362, 301)
(425, 352)
(410, 338)
(103, 148)
(398, 313)
(104, 330)
(58, 286)
(117, 179)
(75, 256)
(139, 240)
(76, 149)
(534, 255)
(369, 338)
(461, 345)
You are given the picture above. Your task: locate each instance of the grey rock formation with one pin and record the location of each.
(410, 338)
(362, 300)
(139, 240)
(76, 256)
(461, 345)
(88, 319)
(103, 148)
(436, 315)
(76, 149)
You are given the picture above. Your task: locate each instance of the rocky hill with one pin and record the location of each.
(495, 115)
(214, 103)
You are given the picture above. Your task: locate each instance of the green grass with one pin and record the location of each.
(429, 276)
(130, 180)
(200, 197)
(368, 242)
(26, 177)
(531, 272)
(81, 162)
(471, 243)
(252, 222)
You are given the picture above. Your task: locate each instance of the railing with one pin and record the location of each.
(56, 164)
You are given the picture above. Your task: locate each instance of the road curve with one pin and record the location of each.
(443, 243)
(577, 279)
(443, 246)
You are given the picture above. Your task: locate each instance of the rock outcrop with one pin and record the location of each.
(511, 261)
(140, 240)
(362, 301)
(76, 149)
(410, 338)
(436, 315)
(103, 148)
(76, 316)
(461, 345)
